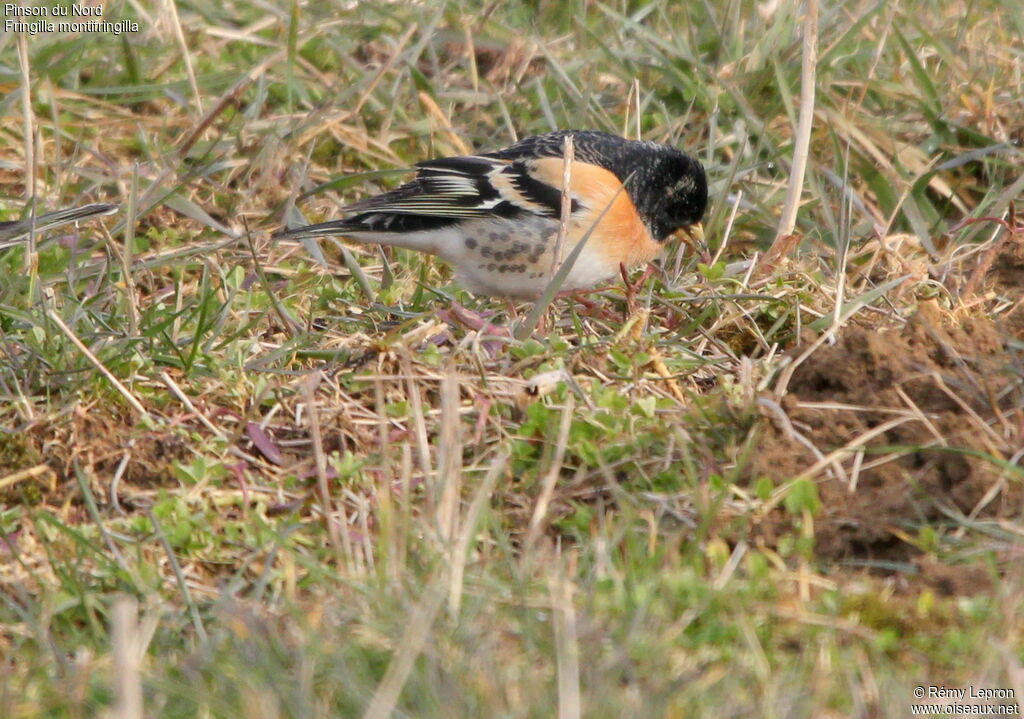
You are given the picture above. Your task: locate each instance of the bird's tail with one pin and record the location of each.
(321, 229)
(414, 232)
(11, 232)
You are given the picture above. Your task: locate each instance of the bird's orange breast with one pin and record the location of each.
(621, 236)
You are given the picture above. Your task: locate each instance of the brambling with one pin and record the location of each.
(11, 232)
(495, 216)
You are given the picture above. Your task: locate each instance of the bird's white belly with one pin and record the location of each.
(514, 258)
(506, 280)
(507, 257)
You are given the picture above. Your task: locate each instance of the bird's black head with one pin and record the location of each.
(668, 188)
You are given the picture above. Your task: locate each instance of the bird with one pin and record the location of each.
(496, 216)
(12, 232)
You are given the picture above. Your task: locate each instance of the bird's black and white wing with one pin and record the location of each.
(447, 191)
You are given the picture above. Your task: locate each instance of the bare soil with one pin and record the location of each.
(950, 389)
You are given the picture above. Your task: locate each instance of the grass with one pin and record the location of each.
(296, 489)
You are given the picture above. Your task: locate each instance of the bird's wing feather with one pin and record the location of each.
(525, 184)
(472, 186)
(453, 187)
(461, 188)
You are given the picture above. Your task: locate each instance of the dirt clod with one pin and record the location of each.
(926, 414)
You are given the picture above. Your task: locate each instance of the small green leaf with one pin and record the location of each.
(711, 272)
(647, 406)
(802, 495)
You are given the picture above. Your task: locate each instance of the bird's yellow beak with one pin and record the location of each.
(692, 236)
